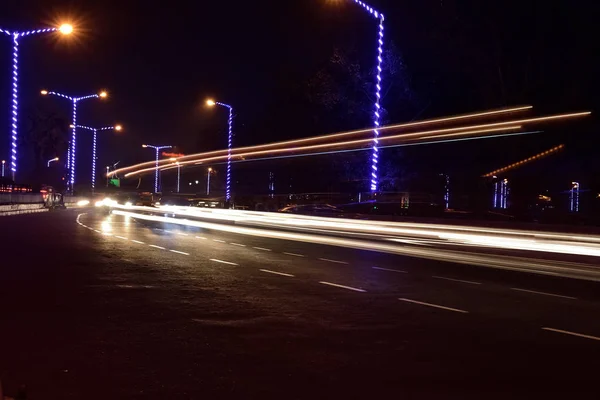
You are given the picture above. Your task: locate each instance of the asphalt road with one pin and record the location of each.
(97, 307)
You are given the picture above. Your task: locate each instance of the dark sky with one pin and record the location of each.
(161, 60)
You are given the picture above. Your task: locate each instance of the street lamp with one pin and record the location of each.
(52, 160)
(377, 108)
(107, 174)
(207, 181)
(158, 149)
(73, 146)
(178, 172)
(94, 141)
(64, 29)
(3, 163)
(212, 103)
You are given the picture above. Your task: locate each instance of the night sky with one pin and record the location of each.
(160, 63)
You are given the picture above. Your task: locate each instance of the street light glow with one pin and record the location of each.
(44, 92)
(210, 103)
(118, 128)
(103, 94)
(66, 29)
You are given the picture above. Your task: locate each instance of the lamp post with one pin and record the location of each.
(377, 108)
(212, 103)
(207, 181)
(73, 147)
(107, 174)
(64, 29)
(3, 163)
(158, 149)
(52, 160)
(94, 141)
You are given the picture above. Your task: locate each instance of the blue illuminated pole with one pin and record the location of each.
(94, 146)
(377, 108)
(158, 149)
(64, 29)
(229, 145)
(72, 148)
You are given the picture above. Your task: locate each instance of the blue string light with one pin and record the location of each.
(73, 145)
(15, 90)
(376, 112)
(158, 149)
(94, 147)
(229, 146)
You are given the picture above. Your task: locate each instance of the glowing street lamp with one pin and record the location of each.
(73, 147)
(52, 160)
(158, 149)
(212, 103)
(64, 29)
(377, 108)
(3, 163)
(94, 141)
(208, 181)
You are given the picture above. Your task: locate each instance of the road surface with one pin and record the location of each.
(95, 306)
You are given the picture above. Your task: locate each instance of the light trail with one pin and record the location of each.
(424, 135)
(330, 145)
(345, 134)
(376, 235)
(527, 160)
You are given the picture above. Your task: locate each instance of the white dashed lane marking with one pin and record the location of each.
(391, 270)
(276, 273)
(180, 252)
(156, 247)
(261, 248)
(238, 244)
(200, 237)
(137, 241)
(333, 261)
(223, 262)
(217, 240)
(294, 254)
(342, 286)
(433, 305)
(456, 280)
(121, 237)
(544, 293)
(572, 333)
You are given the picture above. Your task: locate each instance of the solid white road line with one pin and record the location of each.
(433, 305)
(544, 293)
(391, 270)
(156, 247)
(456, 280)
(200, 237)
(180, 252)
(217, 240)
(294, 254)
(275, 272)
(261, 248)
(333, 261)
(342, 286)
(572, 333)
(238, 244)
(121, 237)
(137, 241)
(223, 262)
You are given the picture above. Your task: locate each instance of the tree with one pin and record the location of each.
(342, 93)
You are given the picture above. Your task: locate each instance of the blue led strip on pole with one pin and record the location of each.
(376, 112)
(15, 91)
(229, 145)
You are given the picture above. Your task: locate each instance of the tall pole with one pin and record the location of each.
(377, 107)
(107, 172)
(94, 147)
(157, 149)
(229, 145)
(208, 181)
(3, 162)
(72, 148)
(64, 29)
(178, 175)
